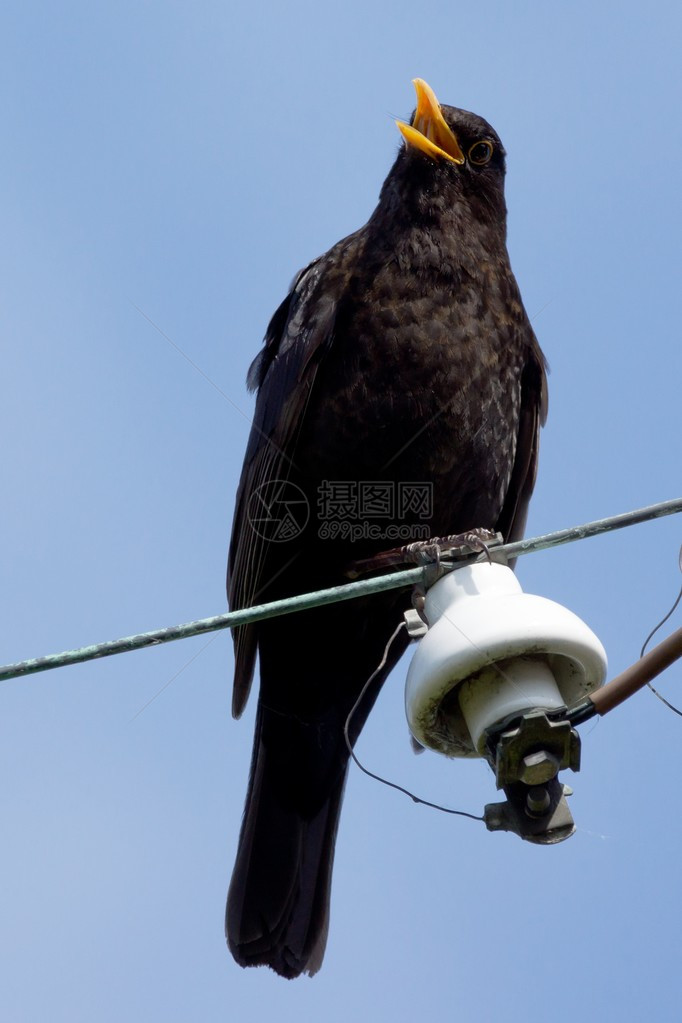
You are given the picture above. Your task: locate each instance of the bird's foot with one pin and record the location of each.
(427, 552)
(423, 552)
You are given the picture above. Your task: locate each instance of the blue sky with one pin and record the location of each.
(185, 160)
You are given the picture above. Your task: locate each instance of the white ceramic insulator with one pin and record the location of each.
(503, 690)
(493, 651)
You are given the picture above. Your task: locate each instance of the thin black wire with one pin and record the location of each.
(377, 777)
(653, 632)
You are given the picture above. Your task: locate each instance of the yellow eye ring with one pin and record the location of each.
(481, 152)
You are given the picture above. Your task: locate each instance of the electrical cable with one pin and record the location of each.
(653, 632)
(377, 777)
(349, 591)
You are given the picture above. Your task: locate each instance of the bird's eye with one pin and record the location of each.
(481, 152)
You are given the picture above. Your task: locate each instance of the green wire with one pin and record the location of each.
(361, 588)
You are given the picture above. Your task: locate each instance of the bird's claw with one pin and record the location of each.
(427, 551)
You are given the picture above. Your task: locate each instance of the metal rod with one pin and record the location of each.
(363, 587)
(638, 674)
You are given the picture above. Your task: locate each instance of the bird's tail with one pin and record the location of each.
(278, 902)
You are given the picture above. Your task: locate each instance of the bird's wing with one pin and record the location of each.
(532, 415)
(284, 372)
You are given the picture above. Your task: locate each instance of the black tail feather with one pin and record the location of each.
(278, 902)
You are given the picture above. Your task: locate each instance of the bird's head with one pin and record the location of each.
(450, 156)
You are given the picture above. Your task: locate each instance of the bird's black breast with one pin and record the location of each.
(422, 383)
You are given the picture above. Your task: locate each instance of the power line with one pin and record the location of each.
(303, 602)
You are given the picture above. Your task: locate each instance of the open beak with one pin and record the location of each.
(429, 131)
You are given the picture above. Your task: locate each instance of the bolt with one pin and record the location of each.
(538, 768)
(537, 801)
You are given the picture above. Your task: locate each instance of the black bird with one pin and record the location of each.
(400, 385)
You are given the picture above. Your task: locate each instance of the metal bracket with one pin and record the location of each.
(538, 814)
(535, 750)
(416, 626)
(526, 759)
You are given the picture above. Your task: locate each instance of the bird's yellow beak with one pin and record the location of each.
(429, 130)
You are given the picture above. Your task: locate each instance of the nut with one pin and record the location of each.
(538, 768)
